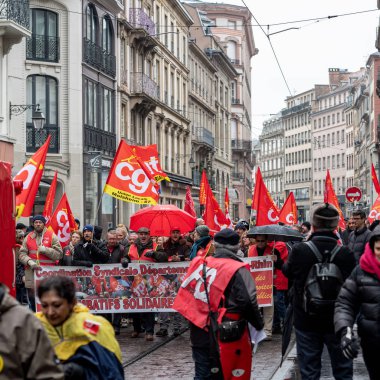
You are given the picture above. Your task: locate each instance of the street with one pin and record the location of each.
(173, 360)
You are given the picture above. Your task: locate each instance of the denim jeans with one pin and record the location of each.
(279, 308)
(309, 352)
(201, 357)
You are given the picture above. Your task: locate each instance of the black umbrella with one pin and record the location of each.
(276, 232)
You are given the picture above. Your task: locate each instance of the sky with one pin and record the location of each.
(305, 54)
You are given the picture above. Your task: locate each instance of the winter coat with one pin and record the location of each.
(297, 268)
(85, 252)
(240, 298)
(54, 253)
(360, 295)
(67, 258)
(357, 241)
(159, 254)
(25, 350)
(345, 235)
(180, 248)
(116, 255)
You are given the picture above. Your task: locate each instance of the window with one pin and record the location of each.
(43, 45)
(107, 35)
(91, 24)
(42, 90)
(107, 110)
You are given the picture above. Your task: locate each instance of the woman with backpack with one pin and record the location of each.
(359, 300)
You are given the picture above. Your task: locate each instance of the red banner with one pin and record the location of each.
(375, 180)
(49, 202)
(143, 287)
(189, 203)
(227, 209)
(213, 215)
(375, 211)
(330, 197)
(62, 222)
(203, 188)
(288, 213)
(266, 210)
(30, 174)
(127, 180)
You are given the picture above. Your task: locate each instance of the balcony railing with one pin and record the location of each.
(42, 48)
(142, 84)
(204, 135)
(241, 145)
(236, 176)
(36, 138)
(235, 61)
(98, 139)
(99, 58)
(235, 101)
(15, 10)
(140, 20)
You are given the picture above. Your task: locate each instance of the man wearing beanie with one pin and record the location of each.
(230, 280)
(40, 247)
(203, 245)
(313, 331)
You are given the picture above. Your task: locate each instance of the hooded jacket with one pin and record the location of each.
(25, 350)
(357, 241)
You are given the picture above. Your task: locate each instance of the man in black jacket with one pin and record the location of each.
(239, 301)
(360, 236)
(90, 251)
(315, 331)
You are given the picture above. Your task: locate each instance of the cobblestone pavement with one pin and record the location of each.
(173, 361)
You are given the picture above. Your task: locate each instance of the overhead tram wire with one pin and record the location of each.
(270, 43)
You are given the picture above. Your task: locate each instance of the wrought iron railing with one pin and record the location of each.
(36, 138)
(98, 139)
(140, 20)
(42, 48)
(16, 10)
(142, 84)
(99, 58)
(241, 145)
(204, 135)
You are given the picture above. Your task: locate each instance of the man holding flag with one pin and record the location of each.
(40, 248)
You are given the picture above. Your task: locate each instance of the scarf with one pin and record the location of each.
(202, 242)
(369, 263)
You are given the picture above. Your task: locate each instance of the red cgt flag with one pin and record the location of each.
(62, 222)
(375, 180)
(30, 174)
(213, 215)
(189, 203)
(330, 197)
(227, 208)
(288, 213)
(49, 202)
(128, 181)
(266, 210)
(375, 211)
(203, 188)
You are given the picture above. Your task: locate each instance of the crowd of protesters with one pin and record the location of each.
(358, 303)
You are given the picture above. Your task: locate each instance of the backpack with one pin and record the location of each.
(323, 283)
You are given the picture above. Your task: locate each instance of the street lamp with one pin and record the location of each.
(38, 117)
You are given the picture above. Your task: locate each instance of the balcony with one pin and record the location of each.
(42, 48)
(99, 58)
(142, 84)
(235, 101)
(15, 18)
(242, 145)
(236, 176)
(35, 138)
(235, 61)
(96, 139)
(203, 135)
(140, 20)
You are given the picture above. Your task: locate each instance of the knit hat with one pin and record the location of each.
(41, 218)
(227, 236)
(203, 230)
(88, 227)
(324, 216)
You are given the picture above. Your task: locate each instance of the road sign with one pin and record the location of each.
(353, 194)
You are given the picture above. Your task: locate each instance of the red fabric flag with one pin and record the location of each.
(227, 208)
(31, 174)
(266, 210)
(189, 203)
(49, 202)
(203, 188)
(128, 181)
(330, 197)
(288, 213)
(62, 222)
(213, 215)
(375, 211)
(375, 180)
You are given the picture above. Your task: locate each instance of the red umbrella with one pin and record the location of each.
(162, 219)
